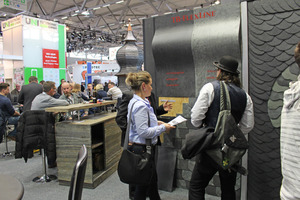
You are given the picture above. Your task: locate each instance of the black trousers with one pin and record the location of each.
(203, 172)
(151, 190)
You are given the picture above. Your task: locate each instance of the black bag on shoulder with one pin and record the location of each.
(136, 169)
(229, 143)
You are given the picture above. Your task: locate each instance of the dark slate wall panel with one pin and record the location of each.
(173, 56)
(273, 34)
(214, 37)
(149, 64)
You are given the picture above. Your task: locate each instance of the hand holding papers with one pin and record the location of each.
(179, 119)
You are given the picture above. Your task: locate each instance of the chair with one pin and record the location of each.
(78, 175)
(4, 131)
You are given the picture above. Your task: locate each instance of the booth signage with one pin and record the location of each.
(13, 4)
(11, 23)
(50, 58)
(40, 23)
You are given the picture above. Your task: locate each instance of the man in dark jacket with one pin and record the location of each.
(206, 110)
(29, 92)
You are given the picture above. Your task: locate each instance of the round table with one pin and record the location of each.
(10, 188)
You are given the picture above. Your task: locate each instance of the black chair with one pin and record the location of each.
(78, 175)
(5, 129)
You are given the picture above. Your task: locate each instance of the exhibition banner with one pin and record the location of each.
(44, 24)
(11, 23)
(19, 76)
(50, 58)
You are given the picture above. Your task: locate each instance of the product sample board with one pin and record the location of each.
(180, 48)
(102, 138)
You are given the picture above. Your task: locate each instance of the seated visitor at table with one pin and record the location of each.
(14, 94)
(72, 98)
(46, 99)
(8, 111)
(114, 92)
(100, 93)
(77, 90)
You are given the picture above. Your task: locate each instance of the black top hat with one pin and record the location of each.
(228, 64)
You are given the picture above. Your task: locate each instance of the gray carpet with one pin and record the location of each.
(110, 189)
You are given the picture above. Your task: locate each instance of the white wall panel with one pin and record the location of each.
(49, 39)
(7, 42)
(32, 47)
(17, 41)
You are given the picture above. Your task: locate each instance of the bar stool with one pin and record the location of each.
(7, 130)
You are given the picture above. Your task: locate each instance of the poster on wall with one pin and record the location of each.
(52, 75)
(50, 58)
(2, 75)
(106, 71)
(19, 76)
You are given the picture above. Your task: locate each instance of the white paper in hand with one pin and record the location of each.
(179, 119)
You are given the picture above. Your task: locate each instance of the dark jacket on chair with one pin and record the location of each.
(35, 130)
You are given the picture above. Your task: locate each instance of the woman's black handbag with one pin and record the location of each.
(136, 169)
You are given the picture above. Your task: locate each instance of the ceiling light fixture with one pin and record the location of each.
(85, 12)
(106, 5)
(97, 8)
(64, 17)
(217, 2)
(119, 1)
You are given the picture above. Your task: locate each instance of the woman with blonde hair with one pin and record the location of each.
(100, 93)
(144, 125)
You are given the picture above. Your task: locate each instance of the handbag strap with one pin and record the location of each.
(225, 103)
(148, 141)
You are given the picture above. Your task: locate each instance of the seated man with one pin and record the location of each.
(114, 92)
(13, 96)
(8, 110)
(72, 98)
(46, 99)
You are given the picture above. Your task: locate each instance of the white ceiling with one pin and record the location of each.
(106, 18)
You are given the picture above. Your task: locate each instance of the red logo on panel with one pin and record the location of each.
(50, 58)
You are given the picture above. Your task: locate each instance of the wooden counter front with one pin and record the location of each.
(102, 137)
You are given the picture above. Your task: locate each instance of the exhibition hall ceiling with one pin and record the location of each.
(104, 21)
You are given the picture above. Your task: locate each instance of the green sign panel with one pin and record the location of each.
(32, 71)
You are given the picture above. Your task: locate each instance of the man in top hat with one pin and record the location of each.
(206, 111)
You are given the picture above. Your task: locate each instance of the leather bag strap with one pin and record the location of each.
(225, 103)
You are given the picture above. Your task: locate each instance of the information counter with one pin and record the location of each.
(102, 138)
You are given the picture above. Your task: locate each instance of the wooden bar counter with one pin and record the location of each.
(102, 137)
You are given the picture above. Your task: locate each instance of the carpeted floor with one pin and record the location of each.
(110, 189)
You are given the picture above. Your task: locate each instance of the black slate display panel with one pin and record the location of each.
(171, 45)
(180, 48)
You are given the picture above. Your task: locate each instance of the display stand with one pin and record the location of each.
(102, 138)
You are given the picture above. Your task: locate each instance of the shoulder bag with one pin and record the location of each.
(229, 143)
(136, 169)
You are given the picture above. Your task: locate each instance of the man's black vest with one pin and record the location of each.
(238, 100)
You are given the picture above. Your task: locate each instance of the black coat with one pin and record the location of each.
(35, 130)
(121, 117)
